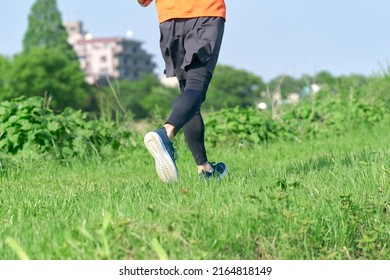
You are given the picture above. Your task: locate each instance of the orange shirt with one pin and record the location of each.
(169, 9)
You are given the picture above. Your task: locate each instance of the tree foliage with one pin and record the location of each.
(49, 71)
(143, 98)
(288, 84)
(232, 87)
(45, 29)
(48, 64)
(5, 65)
(229, 87)
(324, 77)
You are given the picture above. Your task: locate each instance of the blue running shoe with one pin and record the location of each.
(161, 148)
(218, 171)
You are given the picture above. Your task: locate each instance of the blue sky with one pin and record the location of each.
(265, 37)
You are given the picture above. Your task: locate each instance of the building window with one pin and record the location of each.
(123, 72)
(103, 58)
(82, 48)
(81, 59)
(103, 72)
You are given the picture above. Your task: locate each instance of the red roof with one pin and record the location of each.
(99, 40)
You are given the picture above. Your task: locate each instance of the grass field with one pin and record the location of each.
(318, 199)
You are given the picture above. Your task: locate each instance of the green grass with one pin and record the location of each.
(318, 199)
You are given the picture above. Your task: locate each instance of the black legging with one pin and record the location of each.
(186, 108)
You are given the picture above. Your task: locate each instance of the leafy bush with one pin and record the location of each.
(244, 126)
(331, 115)
(326, 117)
(379, 88)
(28, 127)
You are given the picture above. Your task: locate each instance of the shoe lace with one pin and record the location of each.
(175, 154)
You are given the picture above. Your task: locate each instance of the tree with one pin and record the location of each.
(48, 63)
(232, 87)
(287, 85)
(49, 71)
(45, 29)
(142, 97)
(5, 66)
(325, 77)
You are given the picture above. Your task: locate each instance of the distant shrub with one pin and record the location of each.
(244, 126)
(326, 117)
(378, 89)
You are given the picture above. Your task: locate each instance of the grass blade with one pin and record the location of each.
(162, 255)
(16, 248)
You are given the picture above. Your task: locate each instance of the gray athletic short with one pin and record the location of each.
(181, 40)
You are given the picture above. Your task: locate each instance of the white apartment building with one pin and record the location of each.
(113, 57)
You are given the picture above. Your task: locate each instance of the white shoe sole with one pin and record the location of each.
(165, 167)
